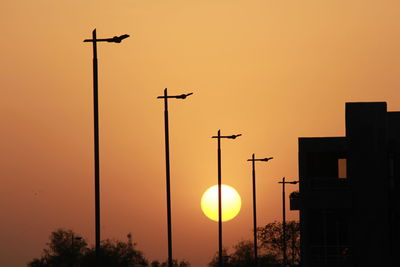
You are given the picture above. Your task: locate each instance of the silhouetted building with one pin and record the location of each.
(349, 191)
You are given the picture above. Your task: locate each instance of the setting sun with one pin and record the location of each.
(231, 203)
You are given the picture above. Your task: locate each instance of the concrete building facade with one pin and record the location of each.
(349, 191)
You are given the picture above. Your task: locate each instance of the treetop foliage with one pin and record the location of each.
(67, 249)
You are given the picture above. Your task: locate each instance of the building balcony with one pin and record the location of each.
(295, 200)
(328, 183)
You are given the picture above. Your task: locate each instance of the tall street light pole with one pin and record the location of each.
(284, 219)
(253, 160)
(94, 40)
(220, 193)
(167, 168)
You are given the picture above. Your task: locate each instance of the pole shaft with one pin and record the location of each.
(284, 223)
(167, 170)
(254, 212)
(96, 148)
(219, 202)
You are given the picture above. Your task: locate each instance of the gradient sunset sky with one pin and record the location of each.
(270, 70)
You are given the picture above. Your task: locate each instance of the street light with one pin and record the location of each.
(94, 40)
(167, 168)
(284, 219)
(220, 194)
(253, 160)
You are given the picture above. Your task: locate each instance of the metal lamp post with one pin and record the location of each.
(220, 193)
(253, 160)
(284, 219)
(94, 40)
(167, 168)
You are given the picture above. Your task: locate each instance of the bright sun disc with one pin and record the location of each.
(231, 203)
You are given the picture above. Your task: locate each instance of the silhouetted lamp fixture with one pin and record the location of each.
(182, 96)
(219, 136)
(167, 168)
(234, 136)
(94, 40)
(283, 182)
(253, 160)
(115, 39)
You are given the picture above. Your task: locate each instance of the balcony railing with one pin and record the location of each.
(327, 183)
(330, 253)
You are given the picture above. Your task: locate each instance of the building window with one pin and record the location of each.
(342, 168)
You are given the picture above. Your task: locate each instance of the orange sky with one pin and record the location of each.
(271, 70)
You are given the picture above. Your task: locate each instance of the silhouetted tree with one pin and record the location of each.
(64, 249)
(155, 264)
(116, 253)
(270, 247)
(243, 256)
(225, 259)
(175, 263)
(67, 249)
(270, 238)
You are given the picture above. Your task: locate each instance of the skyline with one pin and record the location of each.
(271, 71)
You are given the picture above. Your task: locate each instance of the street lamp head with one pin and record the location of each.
(234, 136)
(118, 39)
(264, 159)
(183, 96)
(291, 182)
(115, 39)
